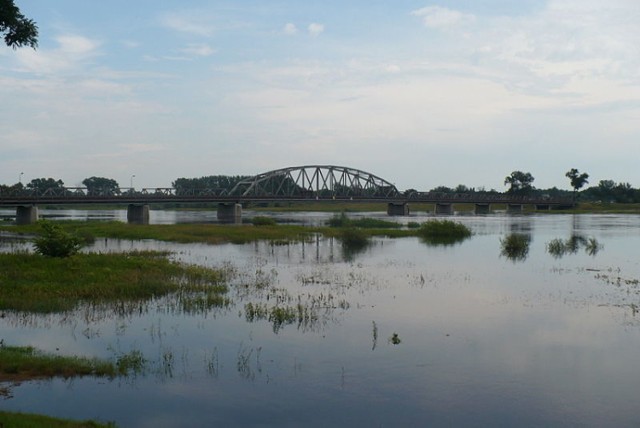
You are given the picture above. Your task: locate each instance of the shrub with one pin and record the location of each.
(263, 221)
(444, 228)
(55, 242)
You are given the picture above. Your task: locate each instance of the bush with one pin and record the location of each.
(263, 221)
(444, 228)
(55, 242)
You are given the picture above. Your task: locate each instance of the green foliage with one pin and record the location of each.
(520, 183)
(53, 285)
(413, 225)
(27, 362)
(435, 228)
(577, 180)
(101, 186)
(26, 420)
(515, 246)
(263, 221)
(42, 184)
(17, 29)
(558, 247)
(367, 223)
(220, 182)
(56, 242)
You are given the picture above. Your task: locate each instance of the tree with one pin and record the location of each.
(577, 180)
(101, 186)
(42, 184)
(519, 182)
(17, 29)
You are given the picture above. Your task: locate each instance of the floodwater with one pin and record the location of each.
(400, 333)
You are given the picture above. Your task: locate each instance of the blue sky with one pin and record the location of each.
(420, 93)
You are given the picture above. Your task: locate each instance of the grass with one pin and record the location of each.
(366, 223)
(18, 363)
(34, 283)
(25, 420)
(443, 232)
(205, 233)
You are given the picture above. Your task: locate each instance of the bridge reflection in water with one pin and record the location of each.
(319, 183)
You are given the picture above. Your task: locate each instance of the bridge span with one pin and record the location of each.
(310, 183)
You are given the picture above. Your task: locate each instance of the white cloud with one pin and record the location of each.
(289, 29)
(72, 51)
(198, 50)
(442, 18)
(315, 29)
(188, 23)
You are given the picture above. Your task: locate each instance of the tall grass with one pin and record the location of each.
(443, 232)
(33, 283)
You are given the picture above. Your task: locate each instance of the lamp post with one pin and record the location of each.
(20, 177)
(132, 182)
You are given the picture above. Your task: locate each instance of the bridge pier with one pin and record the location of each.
(394, 208)
(230, 213)
(482, 209)
(26, 214)
(514, 208)
(444, 208)
(138, 214)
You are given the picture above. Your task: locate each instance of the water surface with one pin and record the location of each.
(401, 333)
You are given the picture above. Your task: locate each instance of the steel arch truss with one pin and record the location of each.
(316, 181)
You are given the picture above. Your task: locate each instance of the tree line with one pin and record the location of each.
(517, 183)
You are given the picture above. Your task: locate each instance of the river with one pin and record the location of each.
(400, 333)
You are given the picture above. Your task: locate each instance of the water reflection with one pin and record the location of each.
(539, 342)
(559, 248)
(515, 246)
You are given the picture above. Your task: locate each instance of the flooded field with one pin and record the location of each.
(399, 333)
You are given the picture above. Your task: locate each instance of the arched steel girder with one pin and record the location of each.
(316, 181)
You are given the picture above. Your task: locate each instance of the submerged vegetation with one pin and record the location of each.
(24, 420)
(558, 247)
(25, 362)
(32, 283)
(443, 232)
(515, 246)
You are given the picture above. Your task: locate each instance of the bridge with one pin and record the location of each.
(321, 183)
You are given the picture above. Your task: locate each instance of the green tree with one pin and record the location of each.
(55, 242)
(101, 186)
(577, 180)
(42, 184)
(17, 29)
(520, 183)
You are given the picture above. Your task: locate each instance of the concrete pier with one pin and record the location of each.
(230, 213)
(482, 209)
(514, 208)
(26, 214)
(445, 209)
(394, 208)
(138, 214)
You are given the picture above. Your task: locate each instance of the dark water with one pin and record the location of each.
(400, 334)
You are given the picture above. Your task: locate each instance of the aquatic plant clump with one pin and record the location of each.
(30, 283)
(515, 246)
(444, 228)
(366, 223)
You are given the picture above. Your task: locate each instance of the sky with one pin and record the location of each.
(419, 93)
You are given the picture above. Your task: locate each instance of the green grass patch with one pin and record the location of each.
(18, 363)
(366, 223)
(205, 233)
(34, 283)
(443, 232)
(263, 221)
(26, 420)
